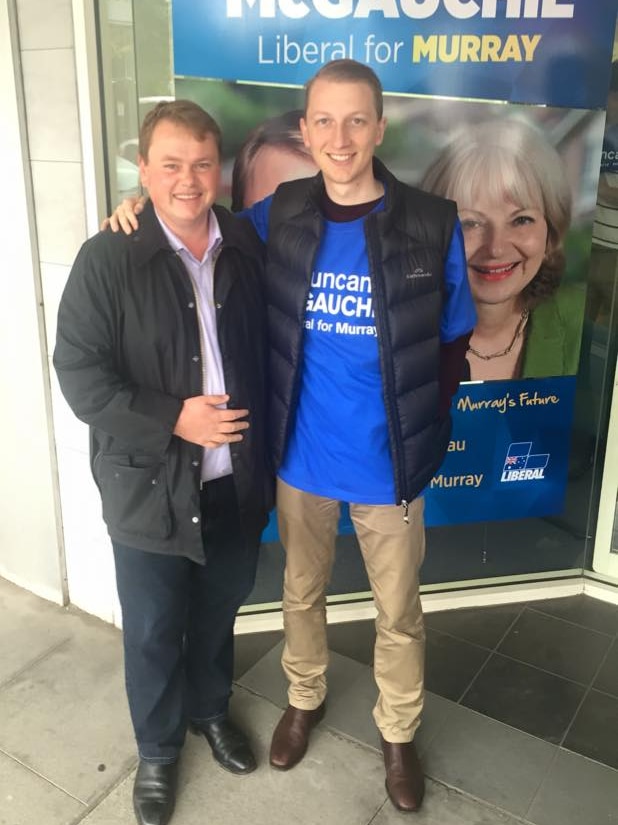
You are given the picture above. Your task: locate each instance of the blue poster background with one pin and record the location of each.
(559, 54)
(509, 452)
(510, 443)
(508, 455)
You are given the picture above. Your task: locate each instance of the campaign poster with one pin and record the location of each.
(467, 84)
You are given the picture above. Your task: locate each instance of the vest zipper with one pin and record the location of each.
(297, 375)
(405, 504)
(386, 360)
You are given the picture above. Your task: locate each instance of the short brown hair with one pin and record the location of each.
(184, 113)
(349, 71)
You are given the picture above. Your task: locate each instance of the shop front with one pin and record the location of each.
(524, 504)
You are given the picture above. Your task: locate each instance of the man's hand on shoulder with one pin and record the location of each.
(202, 421)
(125, 215)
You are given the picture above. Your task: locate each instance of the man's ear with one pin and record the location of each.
(382, 129)
(303, 130)
(143, 170)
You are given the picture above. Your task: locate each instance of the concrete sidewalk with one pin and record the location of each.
(67, 754)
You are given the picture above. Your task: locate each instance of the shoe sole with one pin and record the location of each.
(228, 769)
(399, 807)
(320, 717)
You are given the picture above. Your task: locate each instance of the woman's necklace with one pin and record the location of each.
(518, 331)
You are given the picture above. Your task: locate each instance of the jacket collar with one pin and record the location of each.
(149, 239)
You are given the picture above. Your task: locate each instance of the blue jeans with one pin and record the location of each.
(178, 622)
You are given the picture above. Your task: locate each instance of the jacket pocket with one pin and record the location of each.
(134, 495)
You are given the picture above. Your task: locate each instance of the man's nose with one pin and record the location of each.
(340, 137)
(187, 176)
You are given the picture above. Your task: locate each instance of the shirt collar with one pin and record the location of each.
(214, 236)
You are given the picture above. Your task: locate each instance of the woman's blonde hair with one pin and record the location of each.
(508, 158)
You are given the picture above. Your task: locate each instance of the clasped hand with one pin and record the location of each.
(203, 422)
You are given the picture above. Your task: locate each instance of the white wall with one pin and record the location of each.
(54, 40)
(30, 534)
(52, 538)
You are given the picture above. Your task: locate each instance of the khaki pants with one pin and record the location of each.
(393, 552)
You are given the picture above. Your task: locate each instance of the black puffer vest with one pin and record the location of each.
(407, 244)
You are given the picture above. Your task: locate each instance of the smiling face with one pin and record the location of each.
(505, 246)
(182, 176)
(341, 128)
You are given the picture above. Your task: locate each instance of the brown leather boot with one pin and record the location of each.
(405, 783)
(291, 736)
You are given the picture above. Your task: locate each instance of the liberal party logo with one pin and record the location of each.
(522, 465)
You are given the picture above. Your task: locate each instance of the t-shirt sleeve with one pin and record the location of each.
(458, 314)
(258, 214)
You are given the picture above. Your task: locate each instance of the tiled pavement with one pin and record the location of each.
(548, 670)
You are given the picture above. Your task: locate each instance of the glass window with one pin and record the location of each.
(137, 72)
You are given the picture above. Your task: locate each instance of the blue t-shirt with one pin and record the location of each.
(339, 446)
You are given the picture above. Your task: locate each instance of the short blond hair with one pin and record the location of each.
(346, 70)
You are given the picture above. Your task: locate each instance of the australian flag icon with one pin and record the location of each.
(517, 455)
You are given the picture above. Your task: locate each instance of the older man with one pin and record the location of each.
(161, 350)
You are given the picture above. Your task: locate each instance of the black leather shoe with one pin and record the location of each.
(154, 792)
(230, 747)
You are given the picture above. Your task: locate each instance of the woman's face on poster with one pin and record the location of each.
(505, 246)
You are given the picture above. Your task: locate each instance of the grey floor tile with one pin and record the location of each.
(594, 732)
(28, 799)
(350, 712)
(117, 807)
(447, 806)
(483, 626)
(66, 716)
(607, 678)
(250, 647)
(436, 715)
(557, 646)
(576, 791)
(489, 760)
(525, 697)
(266, 677)
(582, 610)
(29, 627)
(353, 639)
(322, 788)
(451, 664)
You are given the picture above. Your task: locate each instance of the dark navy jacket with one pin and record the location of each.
(127, 354)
